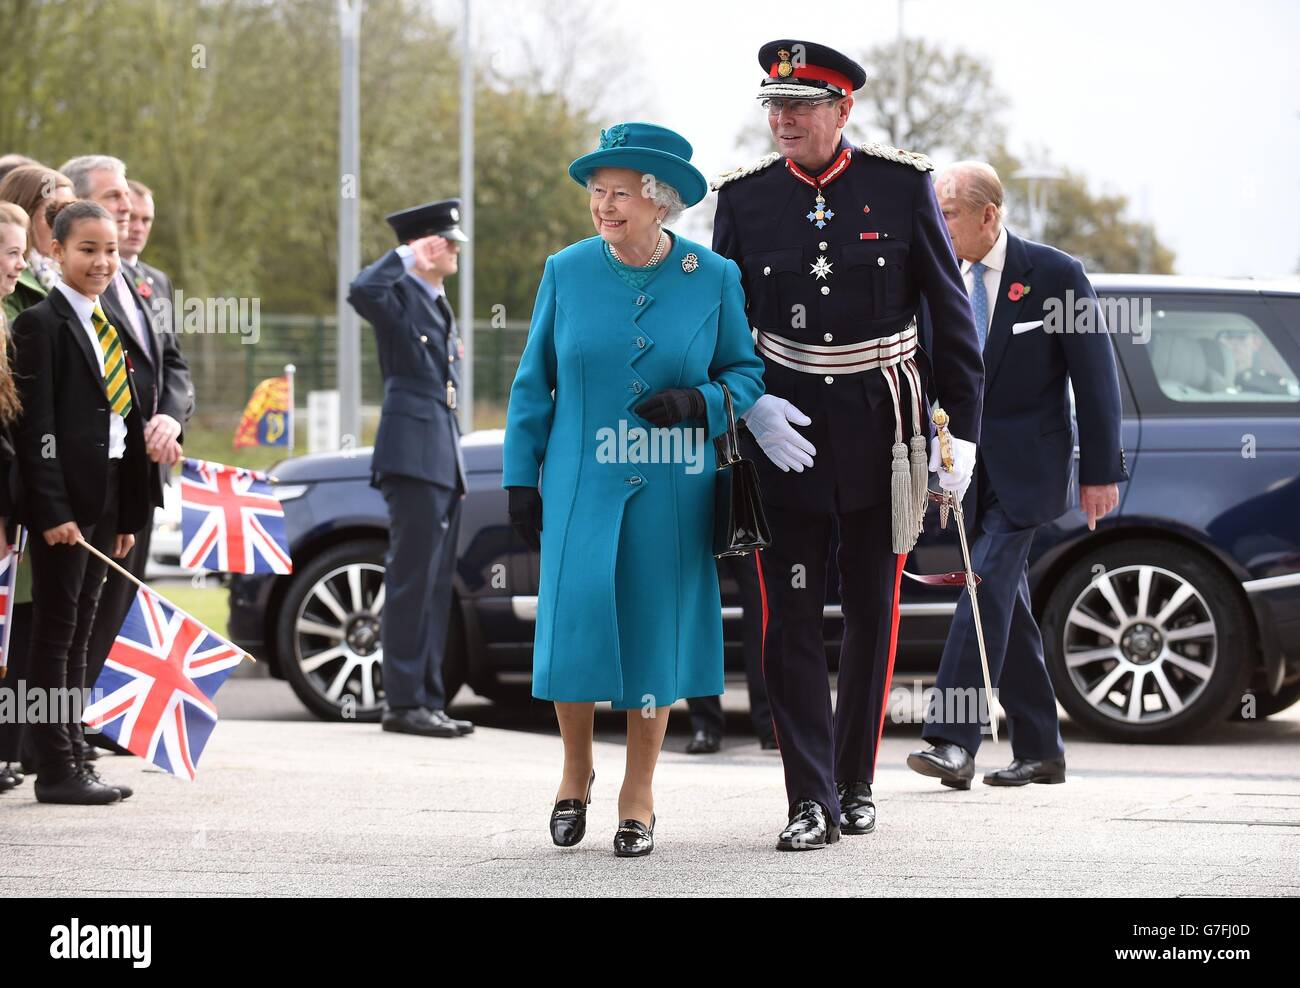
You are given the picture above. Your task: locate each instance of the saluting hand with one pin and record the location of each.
(427, 250)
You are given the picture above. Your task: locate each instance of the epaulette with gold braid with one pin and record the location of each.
(914, 158)
(764, 162)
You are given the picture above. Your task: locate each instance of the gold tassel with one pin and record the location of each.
(920, 482)
(900, 497)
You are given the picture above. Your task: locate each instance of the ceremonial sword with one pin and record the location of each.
(951, 499)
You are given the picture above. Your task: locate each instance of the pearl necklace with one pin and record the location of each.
(654, 258)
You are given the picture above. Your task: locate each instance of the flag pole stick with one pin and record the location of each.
(81, 541)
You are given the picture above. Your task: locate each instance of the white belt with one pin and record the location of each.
(851, 358)
(894, 357)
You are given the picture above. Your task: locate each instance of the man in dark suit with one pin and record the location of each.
(417, 460)
(1019, 290)
(143, 309)
(838, 245)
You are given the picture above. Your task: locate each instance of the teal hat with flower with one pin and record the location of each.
(649, 149)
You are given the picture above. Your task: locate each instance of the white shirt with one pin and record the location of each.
(995, 260)
(84, 308)
(126, 302)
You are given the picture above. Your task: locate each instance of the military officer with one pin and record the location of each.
(839, 245)
(417, 460)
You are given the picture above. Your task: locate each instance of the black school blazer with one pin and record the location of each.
(61, 440)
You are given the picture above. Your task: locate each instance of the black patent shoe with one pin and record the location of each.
(569, 818)
(857, 810)
(633, 839)
(76, 790)
(1023, 771)
(951, 764)
(808, 829)
(9, 778)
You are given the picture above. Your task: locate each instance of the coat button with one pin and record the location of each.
(822, 245)
(633, 480)
(636, 387)
(826, 289)
(424, 339)
(828, 379)
(640, 342)
(767, 270)
(828, 337)
(880, 262)
(640, 300)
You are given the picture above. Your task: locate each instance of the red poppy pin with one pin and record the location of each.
(144, 288)
(1017, 291)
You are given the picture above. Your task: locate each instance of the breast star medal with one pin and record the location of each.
(821, 267)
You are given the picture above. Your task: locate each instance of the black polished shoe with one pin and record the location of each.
(417, 720)
(808, 829)
(462, 726)
(569, 818)
(704, 743)
(857, 811)
(89, 772)
(951, 764)
(633, 839)
(8, 779)
(77, 790)
(1022, 771)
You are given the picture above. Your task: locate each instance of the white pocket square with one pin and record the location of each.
(1024, 327)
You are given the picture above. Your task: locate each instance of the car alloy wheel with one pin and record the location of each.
(337, 636)
(1140, 644)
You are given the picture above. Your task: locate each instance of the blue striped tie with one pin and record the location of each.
(979, 300)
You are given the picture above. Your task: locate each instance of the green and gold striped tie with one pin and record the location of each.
(115, 383)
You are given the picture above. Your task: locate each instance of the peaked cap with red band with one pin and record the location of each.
(806, 70)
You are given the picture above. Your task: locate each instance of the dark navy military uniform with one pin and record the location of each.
(418, 465)
(819, 277)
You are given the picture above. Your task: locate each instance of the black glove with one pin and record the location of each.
(672, 406)
(526, 514)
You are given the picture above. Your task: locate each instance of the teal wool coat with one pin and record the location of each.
(628, 608)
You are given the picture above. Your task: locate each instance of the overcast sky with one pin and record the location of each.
(1191, 109)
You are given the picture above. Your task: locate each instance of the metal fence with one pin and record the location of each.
(227, 367)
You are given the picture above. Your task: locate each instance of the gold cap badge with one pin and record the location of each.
(785, 69)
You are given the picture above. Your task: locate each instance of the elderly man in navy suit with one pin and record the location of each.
(417, 461)
(1022, 477)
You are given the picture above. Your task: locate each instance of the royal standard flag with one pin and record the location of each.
(268, 417)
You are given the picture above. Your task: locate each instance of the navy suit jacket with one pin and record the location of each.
(419, 436)
(1027, 440)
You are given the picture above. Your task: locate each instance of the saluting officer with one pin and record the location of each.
(839, 245)
(417, 460)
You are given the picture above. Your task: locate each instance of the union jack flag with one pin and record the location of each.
(230, 521)
(9, 577)
(158, 685)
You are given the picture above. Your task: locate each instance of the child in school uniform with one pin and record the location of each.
(82, 470)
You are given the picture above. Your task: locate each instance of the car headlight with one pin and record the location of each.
(287, 492)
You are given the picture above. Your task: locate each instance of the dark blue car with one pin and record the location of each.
(1180, 610)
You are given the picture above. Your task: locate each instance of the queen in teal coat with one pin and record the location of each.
(608, 446)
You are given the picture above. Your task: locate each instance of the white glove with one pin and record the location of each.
(769, 423)
(963, 465)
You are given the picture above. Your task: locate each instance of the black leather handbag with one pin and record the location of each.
(739, 524)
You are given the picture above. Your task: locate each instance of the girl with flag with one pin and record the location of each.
(83, 472)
